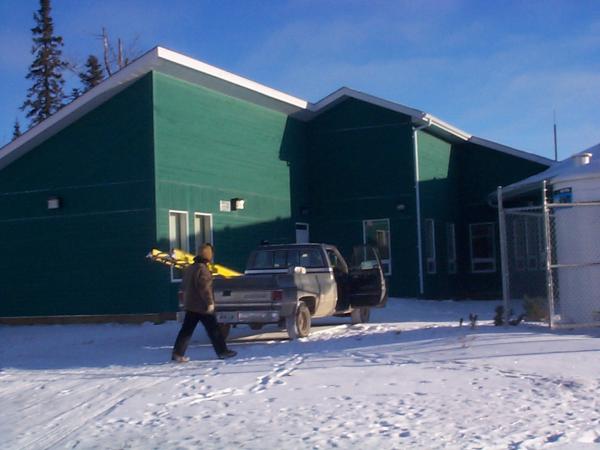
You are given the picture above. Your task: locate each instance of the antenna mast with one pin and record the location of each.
(555, 142)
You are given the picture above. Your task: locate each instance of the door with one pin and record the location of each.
(366, 281)
(302, 235)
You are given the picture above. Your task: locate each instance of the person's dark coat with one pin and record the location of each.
(197, 289)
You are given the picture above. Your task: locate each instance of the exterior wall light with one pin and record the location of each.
(237, 203)
(54, 203)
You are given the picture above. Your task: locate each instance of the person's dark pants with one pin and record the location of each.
(189, 325)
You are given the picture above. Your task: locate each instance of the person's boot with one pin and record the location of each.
(227, 354)
(179, 358)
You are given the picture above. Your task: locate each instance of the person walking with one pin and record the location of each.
(199, 305)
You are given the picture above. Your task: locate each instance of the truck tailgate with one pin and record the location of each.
(245, 292)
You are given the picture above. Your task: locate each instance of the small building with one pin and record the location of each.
(551, 246)
(154, 155)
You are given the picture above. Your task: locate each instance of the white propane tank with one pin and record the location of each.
(577, 243)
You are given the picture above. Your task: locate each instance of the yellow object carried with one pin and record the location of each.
(180, 260)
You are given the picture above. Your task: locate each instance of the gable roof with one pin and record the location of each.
(420, 118)
(183, 67)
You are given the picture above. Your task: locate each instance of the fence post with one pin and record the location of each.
(548, 238)
(503, 257)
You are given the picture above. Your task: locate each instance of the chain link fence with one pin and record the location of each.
(551, 263)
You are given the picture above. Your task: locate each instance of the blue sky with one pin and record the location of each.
(496, 69)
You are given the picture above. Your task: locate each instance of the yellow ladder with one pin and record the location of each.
(181, 259)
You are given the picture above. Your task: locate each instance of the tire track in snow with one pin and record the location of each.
(54, 433)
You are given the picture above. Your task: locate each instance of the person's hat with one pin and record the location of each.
(206, 251)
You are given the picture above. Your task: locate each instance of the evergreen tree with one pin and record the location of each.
(93, 74)
(75, 92)
(46, 95)
(16, 130)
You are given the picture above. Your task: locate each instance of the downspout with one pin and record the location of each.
(418, 202)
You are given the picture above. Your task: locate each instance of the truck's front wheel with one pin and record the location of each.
(298, 324)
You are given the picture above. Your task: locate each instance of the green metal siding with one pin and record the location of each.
(361, 167)
(438, 182)
(455, 180)
(164, 144)
(88, 256)
(211, 147)
(482, 170)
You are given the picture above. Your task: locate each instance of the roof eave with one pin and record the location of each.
(156, 59)
(77, 108)
(512, 151)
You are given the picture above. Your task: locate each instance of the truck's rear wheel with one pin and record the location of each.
(360, 315)
(298, 324)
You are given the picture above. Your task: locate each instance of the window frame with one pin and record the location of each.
(451, 239)
(196, 228)
(384, 262)
(185, 214)
(307, 231)
(531, 245)
(483, 260)
(519, 243)
(430, 260)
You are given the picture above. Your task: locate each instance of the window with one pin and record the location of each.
(528, 243)
(178, 237)
(336, 260)
(451, 247)
(202, 229)
(283, 259)
(519, 243)
(483, 247)
(377, 234)
(311, 258)
(430, 262)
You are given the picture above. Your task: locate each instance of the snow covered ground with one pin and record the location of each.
(410, 379)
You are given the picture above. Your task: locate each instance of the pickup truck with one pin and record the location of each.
(291, 284)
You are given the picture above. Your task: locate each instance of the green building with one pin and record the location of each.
(153, 156)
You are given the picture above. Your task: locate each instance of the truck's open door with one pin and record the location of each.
(367, 286)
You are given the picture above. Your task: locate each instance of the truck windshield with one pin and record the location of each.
(285, 258)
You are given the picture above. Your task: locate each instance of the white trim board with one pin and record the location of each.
(418, 117)
(197, 72)
(163, 61)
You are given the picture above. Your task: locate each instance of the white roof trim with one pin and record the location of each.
(344, 92)
(564, 171)
(422, 118)
(76, 108)
(417, 115)
(159, 58)
(112, 85)
(512, 151)
(232, 78)
(447, 127)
